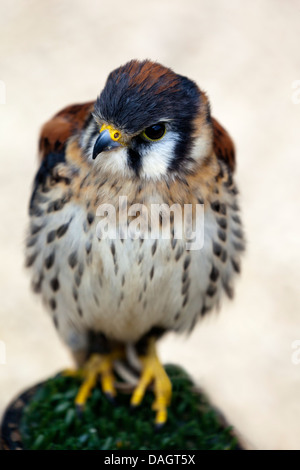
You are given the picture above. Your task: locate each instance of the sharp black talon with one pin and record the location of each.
(111, 398)
(134, 407)
(159, 426)
(79, 410)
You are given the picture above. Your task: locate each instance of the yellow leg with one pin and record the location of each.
(97, 365)
(154, 371)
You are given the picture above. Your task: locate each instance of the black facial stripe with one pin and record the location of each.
(183, 147)
(134, 160)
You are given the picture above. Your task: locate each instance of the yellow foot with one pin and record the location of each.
(97, 365)
(154, 371)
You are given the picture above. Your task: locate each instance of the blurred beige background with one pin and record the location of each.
(246, 56)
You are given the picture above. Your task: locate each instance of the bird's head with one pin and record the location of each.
(149, 122)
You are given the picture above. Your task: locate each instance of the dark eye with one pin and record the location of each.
(155, 132)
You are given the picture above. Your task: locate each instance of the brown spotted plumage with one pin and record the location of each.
(148, 140)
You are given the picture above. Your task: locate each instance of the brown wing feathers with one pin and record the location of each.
(62, 126)
(223, 144)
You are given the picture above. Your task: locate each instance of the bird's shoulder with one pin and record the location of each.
(223, 145)
(54, 138)
(57, 131)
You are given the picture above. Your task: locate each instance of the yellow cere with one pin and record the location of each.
(114, 133)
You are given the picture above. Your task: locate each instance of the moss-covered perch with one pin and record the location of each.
(50, 420)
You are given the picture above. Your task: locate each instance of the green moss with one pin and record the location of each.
(50, 421)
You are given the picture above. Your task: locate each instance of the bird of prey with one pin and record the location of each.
(148, 140)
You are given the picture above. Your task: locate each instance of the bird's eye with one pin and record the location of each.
(155, 132)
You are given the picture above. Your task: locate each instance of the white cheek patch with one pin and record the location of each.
(156, 160)
(113, 161)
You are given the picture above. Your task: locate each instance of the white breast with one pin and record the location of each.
(123, 288)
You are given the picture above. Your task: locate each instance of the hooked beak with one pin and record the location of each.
(104, 142)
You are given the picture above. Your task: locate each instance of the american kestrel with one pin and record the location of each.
(148, 139)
